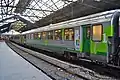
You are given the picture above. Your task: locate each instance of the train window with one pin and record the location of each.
(26, 36)
(29, 36)
(58, 34)
(35, 35)
(32, 36)
(50, 35)
(39, 35)
(69, 34)
(44, 35)
(97, 32)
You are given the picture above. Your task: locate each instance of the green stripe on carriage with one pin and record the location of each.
(66, 49)
(102, 53)
(46, 42)
(81, 43)
(101, 47)
(108, 30)
(97, 47)
(62, 33)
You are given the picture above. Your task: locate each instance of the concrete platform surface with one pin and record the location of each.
(14, 67)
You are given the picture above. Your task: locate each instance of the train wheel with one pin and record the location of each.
(68, 56)
(64, 55)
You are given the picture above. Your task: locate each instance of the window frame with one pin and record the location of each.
(32, 36)
(35, 35)
(48, 34)
(29, 35)
(55, 35)
(101, 33)
(26, 36)
(73, 34)
(45, 36)
(40, 35)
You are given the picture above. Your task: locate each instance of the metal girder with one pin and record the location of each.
(6, 19)
(5, 10)
(5, 25)
(39, 7)
(28, 23)
(24, 8)
(54, 4)
(30, 11)
(22, 15)
(5, 28)
(68, 0)
(24, 4)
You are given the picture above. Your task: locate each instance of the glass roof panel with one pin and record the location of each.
(34, 11)
(50, 2)
(46, 7)
(6, 10)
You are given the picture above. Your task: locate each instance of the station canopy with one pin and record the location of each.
(45, 12)
(31, 10)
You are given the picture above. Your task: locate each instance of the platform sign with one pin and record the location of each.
(77, 40)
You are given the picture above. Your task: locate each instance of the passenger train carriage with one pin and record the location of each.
(95, 37)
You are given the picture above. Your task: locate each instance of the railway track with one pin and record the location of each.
(14, 47)
(75, 70)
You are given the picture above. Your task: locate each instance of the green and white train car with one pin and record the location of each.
(94, 37)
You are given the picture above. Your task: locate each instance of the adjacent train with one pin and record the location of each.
(95, 37)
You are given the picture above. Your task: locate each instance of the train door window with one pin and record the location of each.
(44, 35)
(50, 35)
(69, 34)
(88, 32)
(97, 32)
(39, 35)
(58, 34)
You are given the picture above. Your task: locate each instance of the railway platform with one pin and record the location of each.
(14, 67)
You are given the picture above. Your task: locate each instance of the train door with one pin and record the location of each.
(86, 40)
